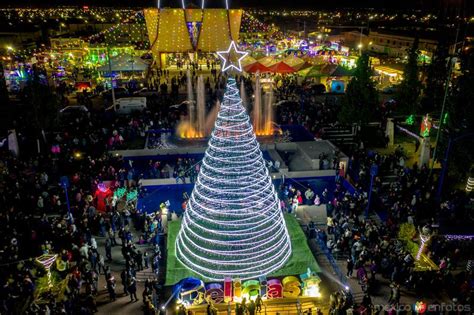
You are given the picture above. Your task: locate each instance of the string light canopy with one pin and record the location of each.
(232, 58)
(233, 225)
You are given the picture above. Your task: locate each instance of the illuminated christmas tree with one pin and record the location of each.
(233, 225)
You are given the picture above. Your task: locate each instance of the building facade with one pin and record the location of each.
(172, 30)
(397, 45)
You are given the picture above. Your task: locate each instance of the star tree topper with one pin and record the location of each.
(232, 58)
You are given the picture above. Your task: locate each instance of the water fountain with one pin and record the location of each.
(268, 113)
(193, 125)
(211, 118)
(197, 125)
(190, 99)
(262, 115)
(243, 95)
(200, 107)
(257, 106)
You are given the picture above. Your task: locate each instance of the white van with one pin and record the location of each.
(128, 105)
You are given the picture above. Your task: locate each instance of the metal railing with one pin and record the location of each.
(339, 274)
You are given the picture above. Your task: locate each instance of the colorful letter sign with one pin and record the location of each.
(310, 284)
(237, 290)
(227, 289)
(214, 293)
(274, 289)
(191, 291)
(251, 288)
(291, 287)
(194, 292)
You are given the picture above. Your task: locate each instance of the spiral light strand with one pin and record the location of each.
(233, 225)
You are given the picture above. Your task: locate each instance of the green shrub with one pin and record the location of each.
(407, 232)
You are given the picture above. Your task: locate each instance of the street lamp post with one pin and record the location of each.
(444, 169)
(110, 76)
(440, 127)
(10, 58)
(374, 169)
(65, 185)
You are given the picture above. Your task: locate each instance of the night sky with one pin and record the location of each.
(311, 4)
(297, 4)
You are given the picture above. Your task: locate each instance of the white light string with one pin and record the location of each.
(233, 225)
(229, 64)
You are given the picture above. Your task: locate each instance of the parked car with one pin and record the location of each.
(390, 89)
(129, 105)
(73, 110)
(287, 103)
(119, 92)
(145, 92)
(70, 113)
(183, 106)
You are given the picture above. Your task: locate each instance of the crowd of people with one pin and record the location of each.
(40, 221)
(37, 219)
(315, 111)
(182, 168)
(374, 253)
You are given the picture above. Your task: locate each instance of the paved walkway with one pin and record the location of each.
(122, 305)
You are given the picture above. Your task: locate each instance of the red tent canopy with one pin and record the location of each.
(256, 67)
(281, 67)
